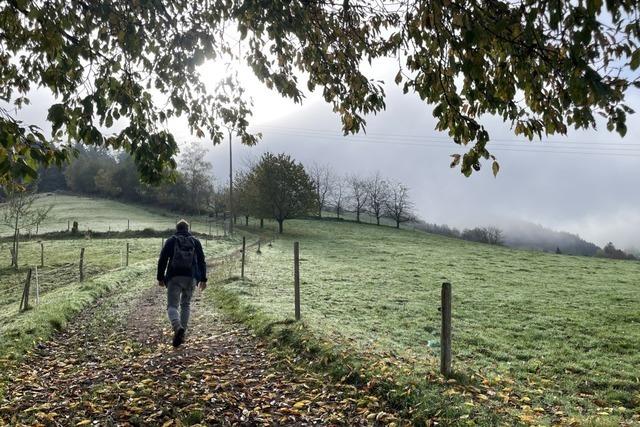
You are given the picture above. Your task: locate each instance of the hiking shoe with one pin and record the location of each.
(178, 337)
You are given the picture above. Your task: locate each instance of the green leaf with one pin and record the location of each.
(635, 60)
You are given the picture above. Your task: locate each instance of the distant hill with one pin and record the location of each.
(527, 235)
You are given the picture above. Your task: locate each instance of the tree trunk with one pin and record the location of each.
(357, 215)
(246, 220)
(338, 212)
(280, 228)
(397, 223)
(320, 212)
(16, 234)
(261, 222)
(377, 220)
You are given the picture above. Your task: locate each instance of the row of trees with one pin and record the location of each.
(99, 172)
(278, 187)
(372, 195)
(295, 189)
(490, 235)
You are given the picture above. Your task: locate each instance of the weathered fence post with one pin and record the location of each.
(81, 264)
(127, 225)
(41, 254)
(445, 333)
(126, 264)
(243, 256)
(68, 225)
(258, 251)
(24, 303)
(296, 278)
(37, 287)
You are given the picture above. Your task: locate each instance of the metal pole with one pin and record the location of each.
(230, 184)
(296, 278)
(445, 334)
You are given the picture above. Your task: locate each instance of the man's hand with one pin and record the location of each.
(161, 283)
(202, 286)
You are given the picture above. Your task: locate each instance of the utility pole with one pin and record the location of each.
(230, 186)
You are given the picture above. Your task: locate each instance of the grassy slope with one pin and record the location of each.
(558, 332)
(551, 332)
(101, 215)
(61, 294)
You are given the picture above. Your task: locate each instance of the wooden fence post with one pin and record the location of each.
(24, 303)
(127, 256)
(81, 264)
(68, 225)
(445, 333)
(243, 256)
(41, 254)
(296, 278)
(37, 287)
(258, 251)
(127, 225)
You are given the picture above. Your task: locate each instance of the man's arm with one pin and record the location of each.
(202, 264)
(164, 260)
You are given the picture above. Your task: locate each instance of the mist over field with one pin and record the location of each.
(584, 183)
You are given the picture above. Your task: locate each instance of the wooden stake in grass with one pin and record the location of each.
(243, 257)
(41, 254)
(81, 264)
(445, 333)
(126, 264)
(37, 287)
(24, 303)
(296, 278)
(127, 225)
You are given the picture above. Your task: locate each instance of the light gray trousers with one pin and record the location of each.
(179, 291)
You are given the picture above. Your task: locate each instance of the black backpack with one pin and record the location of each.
(184, 251)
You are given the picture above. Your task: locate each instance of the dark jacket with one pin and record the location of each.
(199, 269)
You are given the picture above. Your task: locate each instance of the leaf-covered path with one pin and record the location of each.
(114, 365)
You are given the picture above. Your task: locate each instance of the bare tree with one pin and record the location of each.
(338, 196)
(494, 235)
(398, 206)
(358, 194)
(19, 213)
(378, 192)
(323, 180)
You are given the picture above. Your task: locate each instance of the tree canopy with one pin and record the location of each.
(542, 66)
(278, 187)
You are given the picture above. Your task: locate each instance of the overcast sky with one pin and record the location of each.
(584, 183)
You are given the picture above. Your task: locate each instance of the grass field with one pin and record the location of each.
(102, 215)
(61, 293)
(555, 337)
(537, 338)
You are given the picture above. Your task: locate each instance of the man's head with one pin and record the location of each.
(182, 225)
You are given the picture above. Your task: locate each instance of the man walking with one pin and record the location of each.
(180, 267)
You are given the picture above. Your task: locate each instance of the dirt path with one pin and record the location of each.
(114, 366)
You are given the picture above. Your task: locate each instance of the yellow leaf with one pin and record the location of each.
(84, 423)
(300, 405)
(168, 423)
